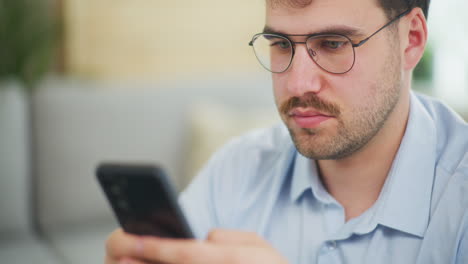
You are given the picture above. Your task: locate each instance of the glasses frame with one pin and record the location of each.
(309, 36)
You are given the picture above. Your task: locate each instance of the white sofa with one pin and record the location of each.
(59, 209)
(19, 242)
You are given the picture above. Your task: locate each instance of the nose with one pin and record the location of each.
(304, 76)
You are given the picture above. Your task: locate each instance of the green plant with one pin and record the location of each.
(28, 33)
(424, 69)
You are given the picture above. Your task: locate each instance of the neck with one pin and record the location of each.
(356, 181)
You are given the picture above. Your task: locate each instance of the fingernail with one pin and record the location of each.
(124, 261)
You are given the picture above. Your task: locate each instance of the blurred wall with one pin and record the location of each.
(153, 39)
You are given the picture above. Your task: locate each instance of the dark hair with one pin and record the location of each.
(390, 7)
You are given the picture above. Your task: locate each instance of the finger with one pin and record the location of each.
(232, 237)
(127, 261)
(176, 251)
(135, 261)
(121, 244)
(109, 260)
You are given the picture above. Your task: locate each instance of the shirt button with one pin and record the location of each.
(331, 245)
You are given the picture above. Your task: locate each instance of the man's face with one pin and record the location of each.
(331, 116)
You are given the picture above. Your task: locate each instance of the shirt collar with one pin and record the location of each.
(305, 176)
(405, 198)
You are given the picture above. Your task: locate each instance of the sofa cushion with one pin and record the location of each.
(213, 124)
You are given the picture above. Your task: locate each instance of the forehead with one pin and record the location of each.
(320, 14)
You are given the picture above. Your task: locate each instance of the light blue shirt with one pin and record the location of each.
(260, 183)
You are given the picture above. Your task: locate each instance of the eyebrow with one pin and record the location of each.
(338, 29)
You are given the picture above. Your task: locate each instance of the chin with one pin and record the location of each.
(309, 142)
(318, 144)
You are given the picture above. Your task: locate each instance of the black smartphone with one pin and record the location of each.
(143, 200)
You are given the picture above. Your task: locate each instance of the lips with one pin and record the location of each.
(308, 118)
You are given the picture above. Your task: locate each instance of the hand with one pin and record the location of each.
(220, 247)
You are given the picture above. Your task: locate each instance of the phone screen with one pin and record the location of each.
(143, 200)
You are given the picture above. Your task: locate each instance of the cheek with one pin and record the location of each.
(279, 88)
(353, 93)
(370, 62)
(362, 79)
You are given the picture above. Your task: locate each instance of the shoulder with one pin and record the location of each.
(452, 135)
(449, 202)
(451, 148)
(267, 141)
(447, 229)
(242, 158)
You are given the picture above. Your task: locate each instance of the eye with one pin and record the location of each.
(333, 44)
(283, 44)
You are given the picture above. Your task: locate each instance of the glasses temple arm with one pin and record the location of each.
(380, 29)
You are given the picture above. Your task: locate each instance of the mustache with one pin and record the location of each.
(310, 101)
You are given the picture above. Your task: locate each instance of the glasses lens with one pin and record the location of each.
(274, 52)
(333, 53)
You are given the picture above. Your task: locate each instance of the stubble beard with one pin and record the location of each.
(361, 125)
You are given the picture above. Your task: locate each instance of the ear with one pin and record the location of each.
(414, 38)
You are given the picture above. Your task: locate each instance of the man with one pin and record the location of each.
(364, 170)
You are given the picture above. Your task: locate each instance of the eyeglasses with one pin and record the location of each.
(334, 53)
